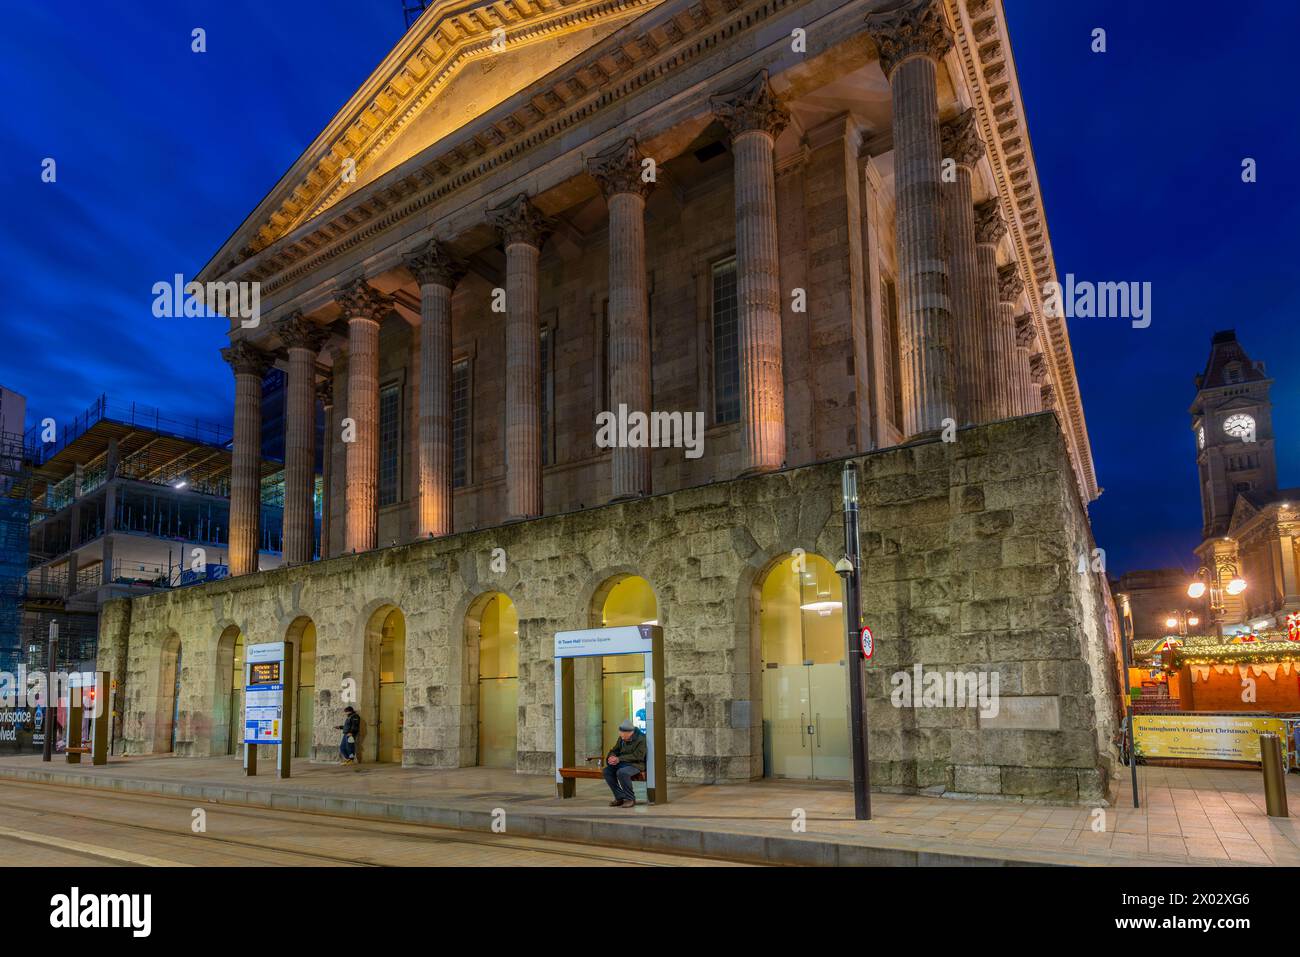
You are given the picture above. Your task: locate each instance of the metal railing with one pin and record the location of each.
(126, 413)
(159, 575)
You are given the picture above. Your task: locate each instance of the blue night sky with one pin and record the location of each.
(161, 152)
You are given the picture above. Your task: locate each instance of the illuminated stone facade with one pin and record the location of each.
(731, 209)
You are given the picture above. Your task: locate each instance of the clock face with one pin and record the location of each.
(1239, 426)
(1200, 437)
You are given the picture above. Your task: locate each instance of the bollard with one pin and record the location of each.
(1270, 757)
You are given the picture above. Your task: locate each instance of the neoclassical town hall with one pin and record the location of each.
(814, 227)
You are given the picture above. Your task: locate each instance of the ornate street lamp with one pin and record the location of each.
(1207, 586)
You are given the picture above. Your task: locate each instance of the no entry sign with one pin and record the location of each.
(868, 642)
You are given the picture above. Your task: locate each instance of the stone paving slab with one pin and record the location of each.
(1189, 817)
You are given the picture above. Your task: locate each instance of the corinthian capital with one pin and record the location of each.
(1010, 285)
(990, 227)
(961, 139)
(917, 28)
(618, 170)
(1025, 331)
(246, 359)
(325, 391)
(359, 300)
(432, 265)
(298, 333)
(751, 106)
(1038, 367)
(1048, 394)
(519, 221)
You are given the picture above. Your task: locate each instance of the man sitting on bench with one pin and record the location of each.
(625, 760)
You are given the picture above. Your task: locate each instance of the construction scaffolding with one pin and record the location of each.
(15, 517)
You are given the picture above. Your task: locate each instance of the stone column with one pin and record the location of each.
(755, 118)
(1010, 286)
(303, 339)
(437, 273)
(961, 144)
(1026, 336)
(911, 41)
(523, 230)
(1040, 379)
(990, 227)
(249, 366)
(325, 393)
(619, 172)
(363, 308)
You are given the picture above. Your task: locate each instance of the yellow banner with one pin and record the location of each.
(1207, 737)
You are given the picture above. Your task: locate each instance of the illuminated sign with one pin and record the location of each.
(264, 673)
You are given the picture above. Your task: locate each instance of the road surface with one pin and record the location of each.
(47, 825)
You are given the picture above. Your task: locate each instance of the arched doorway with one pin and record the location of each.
(805, 690)
(625, 600)
(169, 694)
(228, 695)
(382, 716)
(301, 642)
(492, 645)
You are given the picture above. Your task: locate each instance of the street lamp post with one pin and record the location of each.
(848, 568)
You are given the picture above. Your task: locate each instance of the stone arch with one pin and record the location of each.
(816, 650)
(167, 716)
(300, 647)
(600, 682)
(748, 640)
(227, 694)
(368, 682)
(468, 700)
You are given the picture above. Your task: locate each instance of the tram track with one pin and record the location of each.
(345, 826)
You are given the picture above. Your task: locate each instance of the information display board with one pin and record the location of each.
(263, 713)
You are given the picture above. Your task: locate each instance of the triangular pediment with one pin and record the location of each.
(459, 60)
(1242, 512)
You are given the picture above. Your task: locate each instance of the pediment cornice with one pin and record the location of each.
(448, 37)
(567, 96)
(983, 49)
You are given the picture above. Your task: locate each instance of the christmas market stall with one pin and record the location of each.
(1205, 699)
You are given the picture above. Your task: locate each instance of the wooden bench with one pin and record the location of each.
(598, 773)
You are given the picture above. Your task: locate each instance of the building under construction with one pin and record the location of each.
(126, 500)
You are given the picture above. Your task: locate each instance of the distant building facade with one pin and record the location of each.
(126, 500)
(1247, 569)
(1250, 526)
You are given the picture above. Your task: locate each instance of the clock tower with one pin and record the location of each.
(1232, 432)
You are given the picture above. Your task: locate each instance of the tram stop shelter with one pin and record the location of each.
(645, 640)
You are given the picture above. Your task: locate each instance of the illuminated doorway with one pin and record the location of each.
(805, 691)
(302, 638)
(391, 687)
(232, 689)
(169, 694)
(497, 626)
(624, 601)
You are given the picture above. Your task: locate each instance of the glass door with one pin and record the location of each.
(805, 684)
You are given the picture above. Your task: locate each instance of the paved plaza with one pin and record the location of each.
(1188, 817)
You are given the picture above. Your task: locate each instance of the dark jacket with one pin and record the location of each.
(352, 724)
(632, 751)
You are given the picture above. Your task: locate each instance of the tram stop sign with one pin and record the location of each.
(868, 642)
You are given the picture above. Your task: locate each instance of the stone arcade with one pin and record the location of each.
(500, 271)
